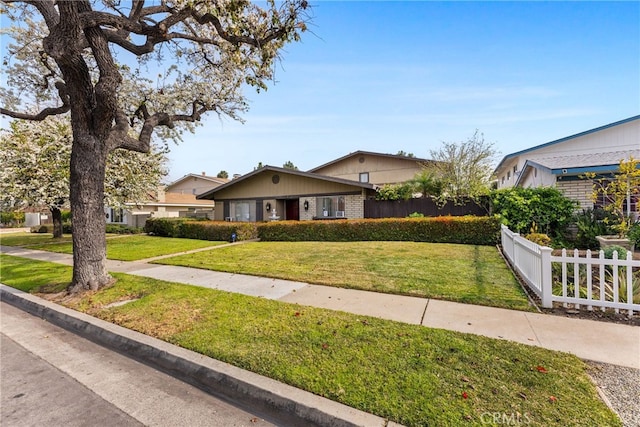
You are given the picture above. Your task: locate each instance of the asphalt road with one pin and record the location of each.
(51, 377)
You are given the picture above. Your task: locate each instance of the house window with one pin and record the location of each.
(244, 211)
(331, 207)
(515, 169)
(502, 179)
(508, 175)
(116, 215)
(603, 199)
(364, 176)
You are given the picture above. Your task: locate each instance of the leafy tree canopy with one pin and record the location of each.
(126, 70)
(289, 165)
(464, 168)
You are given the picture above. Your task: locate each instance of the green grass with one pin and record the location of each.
(409, 374)
(463, 273)
(26, 239)
(136, 247)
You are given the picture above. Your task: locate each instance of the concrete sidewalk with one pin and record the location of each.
(591, 340)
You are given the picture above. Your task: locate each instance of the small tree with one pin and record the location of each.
(616, 192)
(427, 183)
(465, 168)
(223, 174)
(395, 192)
(69, 56)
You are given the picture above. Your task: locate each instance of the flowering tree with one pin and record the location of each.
(35, 168)
(464, 169)
(617, 192)
(186, 57)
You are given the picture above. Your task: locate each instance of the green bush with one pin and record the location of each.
(48, 228)
(547, 207)
(539, 238)
(122, 229)
(42, 228)
(218, 230)
(202, 230)
(634, 234)
(445, 229)
(12, 219)
(164, 227)
(609, 250)
(591, 223)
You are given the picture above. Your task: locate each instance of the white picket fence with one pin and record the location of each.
(581, 281)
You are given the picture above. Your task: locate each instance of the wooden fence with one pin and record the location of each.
(427, 207)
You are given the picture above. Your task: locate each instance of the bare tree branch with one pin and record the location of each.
(50, 111)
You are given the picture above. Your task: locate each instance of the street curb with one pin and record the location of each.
(285, 403)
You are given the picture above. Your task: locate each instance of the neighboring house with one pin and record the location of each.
(563, 163)
(272, 193)
(375, 168)
(336, 189)
(175, 200)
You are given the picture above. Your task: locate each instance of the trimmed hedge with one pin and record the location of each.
(48, 228)
(202, 230)
(122, 229)
(445, 229)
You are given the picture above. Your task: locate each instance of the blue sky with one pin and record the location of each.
(407, 75)
(390, 76)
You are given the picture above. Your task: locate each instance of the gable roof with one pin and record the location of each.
(370, 153)
(579, 164)
(209, 194)
(204, 177)
(561, 140)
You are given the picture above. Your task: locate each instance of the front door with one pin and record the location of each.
(292, 209)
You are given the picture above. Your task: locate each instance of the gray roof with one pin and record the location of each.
(586, 160)
(561, 140)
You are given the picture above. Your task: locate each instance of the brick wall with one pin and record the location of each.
(580, 190)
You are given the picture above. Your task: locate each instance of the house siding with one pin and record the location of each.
(625, 136)
(288, 186)
(579, 190)
(381, 169)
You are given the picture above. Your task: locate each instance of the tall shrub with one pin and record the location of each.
(546, 207)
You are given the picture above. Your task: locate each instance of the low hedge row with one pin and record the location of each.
(447, 229)
(202, 230)
(48, 228)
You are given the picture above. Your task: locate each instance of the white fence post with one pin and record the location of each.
(546, 279)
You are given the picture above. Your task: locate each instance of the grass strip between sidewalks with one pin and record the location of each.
(463, 273)
(122, 248)
(409, 374)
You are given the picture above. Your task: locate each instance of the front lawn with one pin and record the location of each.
(136, 247)
(26, 239)
(409, 374)
(463, 273)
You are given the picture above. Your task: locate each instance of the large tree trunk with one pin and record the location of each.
(56, 215)
(88, 159)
